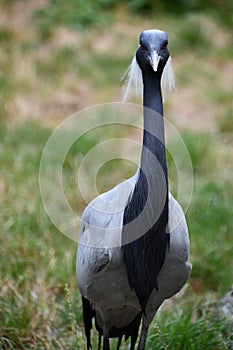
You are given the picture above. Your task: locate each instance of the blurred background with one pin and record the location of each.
(58, 57)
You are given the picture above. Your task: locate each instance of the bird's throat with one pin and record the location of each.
(153, 133)
(152, 96)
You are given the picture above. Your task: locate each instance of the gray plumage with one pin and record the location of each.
(133, 249)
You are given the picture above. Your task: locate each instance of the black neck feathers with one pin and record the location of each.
(144, 236)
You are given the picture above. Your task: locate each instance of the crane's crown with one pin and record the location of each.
(152, 54)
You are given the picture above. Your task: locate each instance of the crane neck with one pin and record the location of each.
(153, 134)
(147, 212)
(152, 96)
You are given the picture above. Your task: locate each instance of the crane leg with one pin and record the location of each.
(119, 342)
(106, 343)
(99, 342)
(143, 335)
(133, 341)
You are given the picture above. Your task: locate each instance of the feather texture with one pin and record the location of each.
(134, 84)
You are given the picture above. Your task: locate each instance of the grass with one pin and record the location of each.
(188, 328)
(79, 15)
(49, 71)
(40, 305)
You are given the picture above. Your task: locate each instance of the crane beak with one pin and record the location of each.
(155, 61)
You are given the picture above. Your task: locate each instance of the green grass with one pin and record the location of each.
(188, 327)
(211, 226)
(38, 261)
(79, 15)
(39, 302)
(57, 64)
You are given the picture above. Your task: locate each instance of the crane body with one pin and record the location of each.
(133, 249)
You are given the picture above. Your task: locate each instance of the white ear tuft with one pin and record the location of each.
(168, 78)
(133, 76)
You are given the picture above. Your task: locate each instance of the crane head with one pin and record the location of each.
(152, 54)
(153, 50)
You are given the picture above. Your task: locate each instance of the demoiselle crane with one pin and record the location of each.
(133, 250)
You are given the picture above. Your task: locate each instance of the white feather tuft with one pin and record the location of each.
(133, 77)
(168, 78)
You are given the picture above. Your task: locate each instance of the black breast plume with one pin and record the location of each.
(144, 251)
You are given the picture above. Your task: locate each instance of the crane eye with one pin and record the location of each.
(164, 46)
(143, 47)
